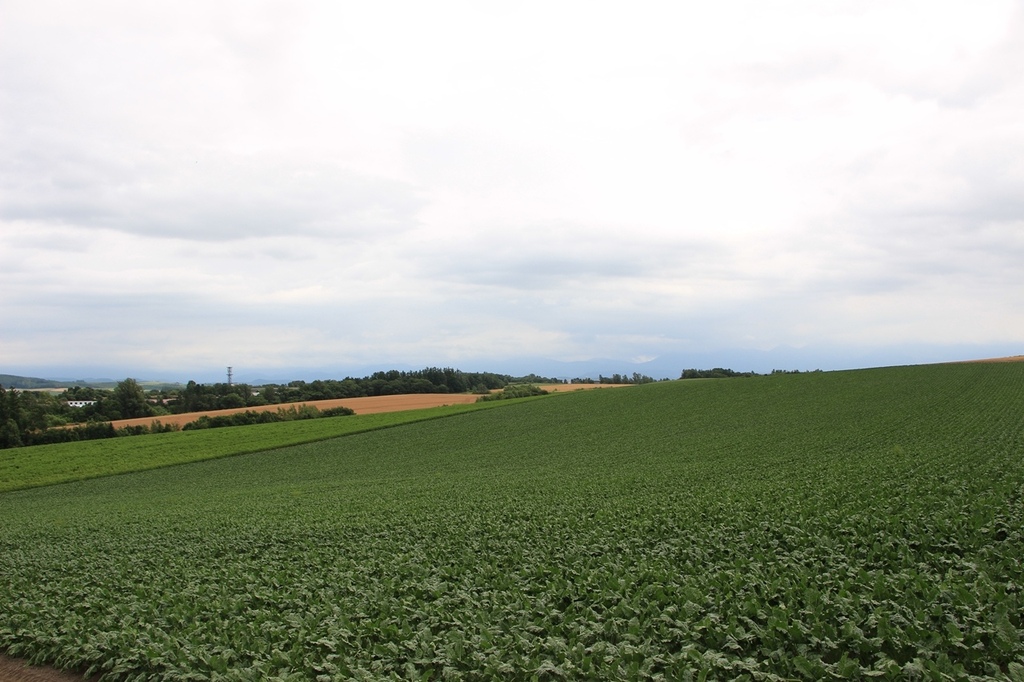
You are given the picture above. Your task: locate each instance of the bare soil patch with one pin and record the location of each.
(14, 670)
(1011, 358)
(366, 405)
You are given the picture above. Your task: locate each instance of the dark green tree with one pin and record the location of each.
(231, 400)
(10, 432)
(130, 400)
(5, 410)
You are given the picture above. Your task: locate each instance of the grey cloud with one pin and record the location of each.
(895, 258)
(212, 198)
(22, 238)
(112, 122)
(115, 122)
(537, 257)
(939, 208)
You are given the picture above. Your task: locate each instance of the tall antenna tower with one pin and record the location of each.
(229, 376)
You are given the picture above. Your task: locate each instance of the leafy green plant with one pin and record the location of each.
(71, 461)
(822, 525)
(250, 417)
(514, 391)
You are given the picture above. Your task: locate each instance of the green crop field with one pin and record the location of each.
(857, 525)
(62, 462)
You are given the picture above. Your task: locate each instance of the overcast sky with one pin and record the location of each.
(189, 185)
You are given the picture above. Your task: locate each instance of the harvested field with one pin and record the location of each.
(13, 670)
(367, 405)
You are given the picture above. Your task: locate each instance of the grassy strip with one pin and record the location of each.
(42, 465)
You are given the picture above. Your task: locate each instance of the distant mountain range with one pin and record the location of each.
(12, 381)
(31, 383)
(665, 366)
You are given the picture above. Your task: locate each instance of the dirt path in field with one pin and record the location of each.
(15, 670)
(368, 405)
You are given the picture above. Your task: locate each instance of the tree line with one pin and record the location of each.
(32, 417)
(716, 373)
(128, 400)
(635, 378)
(24, 420)
(723, 373)
(204, 397)
(29, 417)
(39, 417)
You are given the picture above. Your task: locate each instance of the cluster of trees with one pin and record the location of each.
(537, 379)
(200, 398)
(40, 417)
(23, 413)
(265, 417)
(94, 430)
(716, 373)
(32, 410)
(29, 417)
(635, 378)
(127, 400)
(513, 391)
(32, 417)
(395, 382)
(722, 373)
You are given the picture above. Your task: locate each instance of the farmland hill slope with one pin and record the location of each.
(847, 524)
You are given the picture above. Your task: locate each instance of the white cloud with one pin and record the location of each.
(402, 182)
